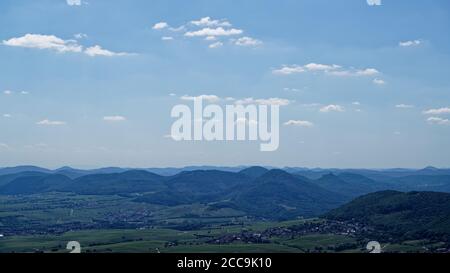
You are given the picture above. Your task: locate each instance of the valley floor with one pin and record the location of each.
(267, 237)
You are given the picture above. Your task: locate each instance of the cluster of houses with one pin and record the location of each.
(322, 227)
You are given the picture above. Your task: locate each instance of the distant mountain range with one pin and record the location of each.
(257, 191)
(74, 173)
(377, 174)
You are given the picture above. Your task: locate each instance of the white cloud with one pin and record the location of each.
(220, 31)
(50, 42)
(247, 41)
(172, 95)
(288, 70)
(99, 51)
(74, 2)
(288, 89)
(176, 29)
(300, 123)
(333, 69)
(4, 146)
(208, 98)
(80, 36)
(47, 122)
(208, 22)
(439, 121)
(404, 106)
(212, 30)
(294, 69)
(114, 118)
(6, 115)
(357, 103)
(379, 82)
(440, 111)
(9, 92)
(355, 72)
(332, 108)
(374, 2)
(167, 38)
(160, 25)
(367, 72)
(321, 67)
(216, 45)
(271, 101)
(410, 43)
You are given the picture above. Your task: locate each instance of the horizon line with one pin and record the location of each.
(224, 166)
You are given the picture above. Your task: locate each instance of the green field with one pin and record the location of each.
(153, 241)
(47, 222)
(175, 241)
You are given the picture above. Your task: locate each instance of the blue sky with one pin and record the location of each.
(92, 83)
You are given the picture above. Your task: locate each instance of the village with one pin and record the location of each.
(321, 227)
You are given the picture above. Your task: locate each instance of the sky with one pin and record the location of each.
(361, 83)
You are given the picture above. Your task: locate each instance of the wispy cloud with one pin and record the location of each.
(288, 70)
(4, 146)
(10, 92)
(208, 98)
(74, 2)
(270, 101)
(209, 22)
(374, 2)
(248, 41)
(355, 72)
(333, 69)
(160, 25)
(332, 108)
(439, 111)
(47, 122)
(289, 89)
(99, 51)
(80, 36)
(114, 118)
(439, 121)
(379, 82)
(410, 43)
(216, 45)
(299, 123)
(404, 106)
(220, 31)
